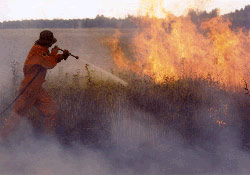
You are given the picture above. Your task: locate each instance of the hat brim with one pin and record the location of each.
(53, 41)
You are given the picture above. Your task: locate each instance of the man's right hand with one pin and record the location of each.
(66, 54)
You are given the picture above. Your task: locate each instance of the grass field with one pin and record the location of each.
(103, 113)
(90, 105)
(91, 108)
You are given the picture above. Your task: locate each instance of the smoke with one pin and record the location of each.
(148, 150)
(177, 7)
(137, 148)
(5, 80)
(32, 155)
(138, 145)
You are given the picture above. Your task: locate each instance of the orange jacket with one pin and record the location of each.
(38, 59)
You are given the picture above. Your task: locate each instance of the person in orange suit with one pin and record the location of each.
(35, 68)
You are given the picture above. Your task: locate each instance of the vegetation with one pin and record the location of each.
(198, 109)
(239, 18)
(99, 22)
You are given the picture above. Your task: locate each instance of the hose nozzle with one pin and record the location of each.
(77, 57)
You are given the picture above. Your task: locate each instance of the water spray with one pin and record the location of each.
(100, 70)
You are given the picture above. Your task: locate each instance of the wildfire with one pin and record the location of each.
(173, 46)
(221, 123)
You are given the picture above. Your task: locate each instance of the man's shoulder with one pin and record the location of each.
(39, 50)
(37, 47)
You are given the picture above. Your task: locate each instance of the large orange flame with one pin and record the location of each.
(175, 47)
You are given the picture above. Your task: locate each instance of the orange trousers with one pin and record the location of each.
(42, 101)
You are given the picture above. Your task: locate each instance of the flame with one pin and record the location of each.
(221, 123)
(173, 46)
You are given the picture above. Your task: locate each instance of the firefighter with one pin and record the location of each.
(35, 68)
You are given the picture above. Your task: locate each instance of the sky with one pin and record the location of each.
(70, 9)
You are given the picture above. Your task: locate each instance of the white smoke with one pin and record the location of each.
(137, 148)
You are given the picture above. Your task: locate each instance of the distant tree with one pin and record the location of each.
(239, 18)
(197, 17)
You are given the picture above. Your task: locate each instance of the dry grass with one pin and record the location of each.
(89, 108)
(196, 108)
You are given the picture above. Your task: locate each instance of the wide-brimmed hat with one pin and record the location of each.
(47, 37)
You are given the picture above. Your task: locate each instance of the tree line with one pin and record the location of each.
(99, 22)
(239, 18)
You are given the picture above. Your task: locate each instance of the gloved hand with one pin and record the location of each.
(54, 50)
(65, 54)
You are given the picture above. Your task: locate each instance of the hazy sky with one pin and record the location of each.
(68, 9)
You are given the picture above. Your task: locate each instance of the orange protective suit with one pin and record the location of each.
(38, 61)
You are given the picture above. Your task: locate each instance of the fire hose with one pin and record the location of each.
(77, 57)
(21, 93)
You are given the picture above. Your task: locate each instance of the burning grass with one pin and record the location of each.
(127, 124)
(198, 109)
(167, 45)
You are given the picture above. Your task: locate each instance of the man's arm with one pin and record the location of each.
(46, 60)
(49, 61)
